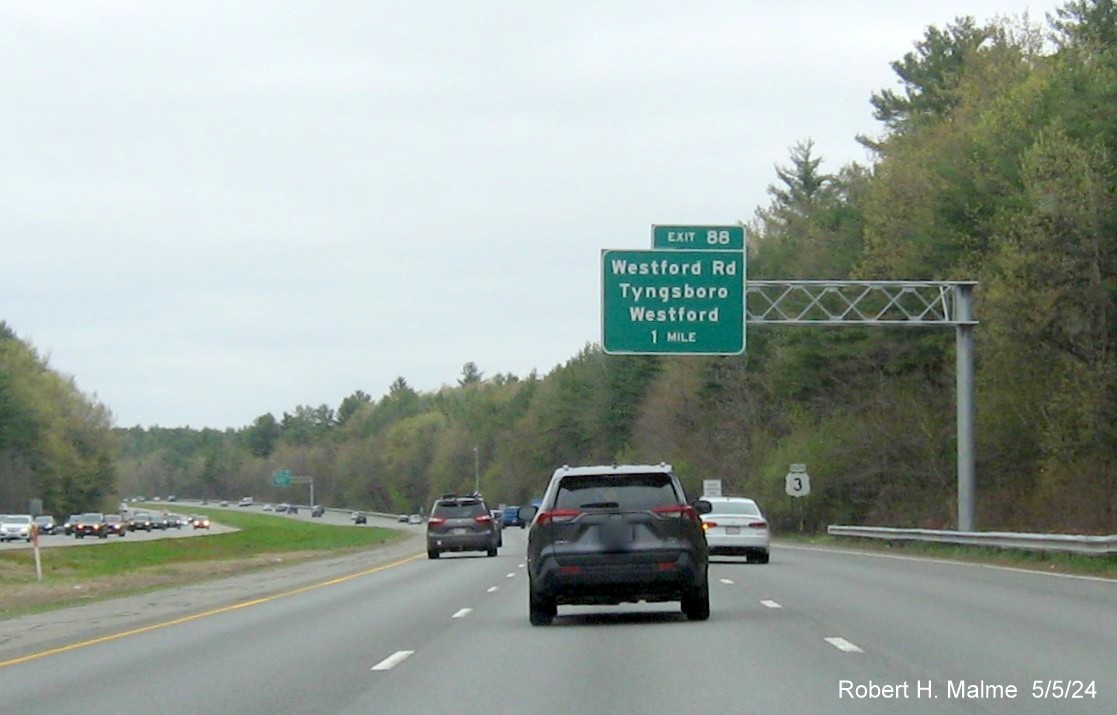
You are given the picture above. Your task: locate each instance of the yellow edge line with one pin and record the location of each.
(204, 614)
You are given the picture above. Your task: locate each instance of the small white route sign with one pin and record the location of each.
(711, 487)
(798, 482)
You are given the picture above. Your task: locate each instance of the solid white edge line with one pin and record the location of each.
(393, 660)
(949, 562)
(770, 604)
(843, 645)
(462, 613)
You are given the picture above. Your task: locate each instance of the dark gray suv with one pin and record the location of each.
(616, 534)
(461, 523)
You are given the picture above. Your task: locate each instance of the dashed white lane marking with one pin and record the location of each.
(512, 575)
(726, 581)
(770, 604)
(462, 613)
(521, 566)
(843, 645)
(493, 588)
(393, 660)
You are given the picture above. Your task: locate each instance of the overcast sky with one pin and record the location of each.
(215, 210)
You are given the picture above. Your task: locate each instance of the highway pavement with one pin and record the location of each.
(814, 631)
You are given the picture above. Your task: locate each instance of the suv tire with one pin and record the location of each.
(696, 604)
(432, 554)
(541, 610)
(492, 551)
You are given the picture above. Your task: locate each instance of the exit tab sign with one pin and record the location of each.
(691, 238)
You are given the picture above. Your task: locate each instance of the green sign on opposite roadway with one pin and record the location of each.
(673, 302)
(282, 478)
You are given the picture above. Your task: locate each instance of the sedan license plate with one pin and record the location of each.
(733, 530)
(460, 531)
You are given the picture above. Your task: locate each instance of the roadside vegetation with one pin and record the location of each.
(122, 566)
(995, 161)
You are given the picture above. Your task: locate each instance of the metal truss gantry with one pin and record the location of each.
(886, 303)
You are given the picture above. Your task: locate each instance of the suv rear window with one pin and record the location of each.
(627, 491)
(459, 509)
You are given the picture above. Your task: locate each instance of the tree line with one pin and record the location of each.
(56, 444)
(995, 161)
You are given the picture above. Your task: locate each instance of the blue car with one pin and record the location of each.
(511, 517)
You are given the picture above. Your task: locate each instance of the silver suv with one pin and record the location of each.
(461, 523)
(613, 534)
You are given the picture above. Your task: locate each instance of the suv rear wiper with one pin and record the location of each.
(601, 505)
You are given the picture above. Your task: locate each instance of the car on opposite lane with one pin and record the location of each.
(16, 526)
(141, 520)
(46, 524)
(736, 526)
(68, 525)
(116, 524)
(91, 523)
(611, 534)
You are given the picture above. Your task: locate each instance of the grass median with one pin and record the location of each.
(121, 566)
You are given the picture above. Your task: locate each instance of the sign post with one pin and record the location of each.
(35, 547)
(797, 483)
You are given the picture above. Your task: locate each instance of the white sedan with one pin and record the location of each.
(736, 526)
(15, 526)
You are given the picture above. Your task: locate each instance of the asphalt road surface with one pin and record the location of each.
(815, 631)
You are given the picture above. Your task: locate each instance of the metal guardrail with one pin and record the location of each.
(1097, 545)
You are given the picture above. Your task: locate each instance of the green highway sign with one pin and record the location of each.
(693, 238)
(673, 302)
(282, 478)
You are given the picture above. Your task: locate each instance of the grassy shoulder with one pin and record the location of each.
(80, 574)
(1101, 566)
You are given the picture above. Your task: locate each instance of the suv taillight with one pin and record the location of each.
(681, 511)
(435, 521)
(557, 516)
(483, 519)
